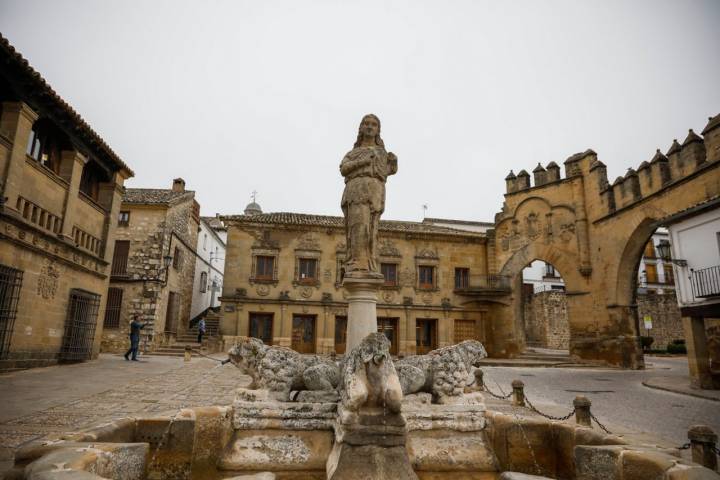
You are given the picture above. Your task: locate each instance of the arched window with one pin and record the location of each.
(203, 282)
(205, 241)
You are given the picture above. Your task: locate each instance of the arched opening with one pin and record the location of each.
(646, 289)
(544, 311)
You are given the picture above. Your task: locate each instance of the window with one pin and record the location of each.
(389, 271)
(669, 274)
(177, 259)
(261, 326)
(649, 250)
(45, 145)
(307, 270)
(90, 179)
(112, 309)
(427, 277)
(651, 275)
(203, 282)
(120, 258)
(123, 219)
(205, 241)
(462, 278)
(264, 267)
(550, 271)
(10, 284)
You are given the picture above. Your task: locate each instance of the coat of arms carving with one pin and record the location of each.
(388, 248)
(308, 242)
(47, 283)
(532, 224)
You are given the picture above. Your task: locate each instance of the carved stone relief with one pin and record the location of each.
(263, 240)
(306, 292)
(388, 296)
(426, 298)
(428, 254)
(388, 248)
(48, 279)
(262, 290)
(327, 275)
(308, 242)
(407, 277)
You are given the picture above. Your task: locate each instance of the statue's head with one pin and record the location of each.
(369, 128)
(246, 353)
(473, 351)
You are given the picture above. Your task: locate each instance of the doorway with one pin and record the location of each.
(261, 326)
(303, 333)
(340, 334)
(389, 326)
(425, 335)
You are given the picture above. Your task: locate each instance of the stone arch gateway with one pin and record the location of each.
(594, 231)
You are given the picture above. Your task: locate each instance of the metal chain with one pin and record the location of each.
(600, 424)
(499, 397)
(206, 356)
(532, 407)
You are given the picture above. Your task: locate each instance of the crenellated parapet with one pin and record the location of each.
(681, 161)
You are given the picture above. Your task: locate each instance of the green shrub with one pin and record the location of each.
(679, 341)
(676, 347)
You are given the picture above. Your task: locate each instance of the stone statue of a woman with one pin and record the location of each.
(365, 168)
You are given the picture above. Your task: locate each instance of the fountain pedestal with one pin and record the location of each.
(362, 288)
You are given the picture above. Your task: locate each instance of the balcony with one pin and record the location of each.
(706, 282)
(484, 286)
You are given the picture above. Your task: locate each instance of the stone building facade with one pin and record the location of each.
(60, 194)
(153, 267)
(283, 274)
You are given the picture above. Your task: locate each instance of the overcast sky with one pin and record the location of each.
(236, 96)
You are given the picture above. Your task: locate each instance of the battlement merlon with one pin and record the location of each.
(680, 161)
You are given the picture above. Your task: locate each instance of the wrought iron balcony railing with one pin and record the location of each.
(706, 282)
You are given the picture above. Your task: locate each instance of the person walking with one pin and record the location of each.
(135, 327)
(201, 329)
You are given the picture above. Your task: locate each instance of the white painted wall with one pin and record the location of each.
(660, 286)
(211, 253)
(696, 240)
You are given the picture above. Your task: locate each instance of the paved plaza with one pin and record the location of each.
(48, 401)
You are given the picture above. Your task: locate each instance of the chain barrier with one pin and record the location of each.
(206, 356)
(499, 397)
(604, 429)
(550, 417)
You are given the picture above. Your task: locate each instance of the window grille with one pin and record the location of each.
(112, 309)
(120, 258)
(80, 325)
(10, 283)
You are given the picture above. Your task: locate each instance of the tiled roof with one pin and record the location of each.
(457, 222)
(41, 93)
(155, 195)
(697, 208)
(300, 219)
(214, 222)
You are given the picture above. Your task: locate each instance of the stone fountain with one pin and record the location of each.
(364, 416)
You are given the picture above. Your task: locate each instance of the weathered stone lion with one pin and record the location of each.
(442, 372)
(282, 370)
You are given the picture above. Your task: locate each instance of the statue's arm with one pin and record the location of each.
(348, 164)
(392, 163)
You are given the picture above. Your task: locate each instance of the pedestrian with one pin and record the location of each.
(201, 329)
(135, 327)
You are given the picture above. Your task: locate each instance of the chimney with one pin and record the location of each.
(178, 185)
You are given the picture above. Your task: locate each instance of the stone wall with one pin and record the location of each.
(665, 315)
(546, 319)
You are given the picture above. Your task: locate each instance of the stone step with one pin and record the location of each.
(518, 362)
(549, 358)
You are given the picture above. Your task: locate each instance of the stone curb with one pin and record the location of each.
(690, 393)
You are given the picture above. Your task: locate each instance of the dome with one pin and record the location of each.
(253, 209)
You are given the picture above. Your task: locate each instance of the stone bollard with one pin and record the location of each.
(188, 353)
(479, 383)
(518, 393)
(582, 411)
(702, 446)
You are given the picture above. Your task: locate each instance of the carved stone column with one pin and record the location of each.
(16, 122)
(71, 167)
(362, 296)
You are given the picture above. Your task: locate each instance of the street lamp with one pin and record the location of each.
(664, 250)
(167, 260)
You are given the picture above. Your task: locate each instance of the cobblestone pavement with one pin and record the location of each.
(618, 397)
(41, 402)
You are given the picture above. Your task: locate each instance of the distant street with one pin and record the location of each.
(618, 397)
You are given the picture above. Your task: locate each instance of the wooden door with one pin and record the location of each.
(388, 326)
(340, 334)
(303, 333)
(261, 326)
(465, 330)
(425, 335)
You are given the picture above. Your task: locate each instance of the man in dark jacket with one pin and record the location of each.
(135, 327)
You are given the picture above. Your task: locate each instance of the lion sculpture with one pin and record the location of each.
(442, 372)
(282, 370)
